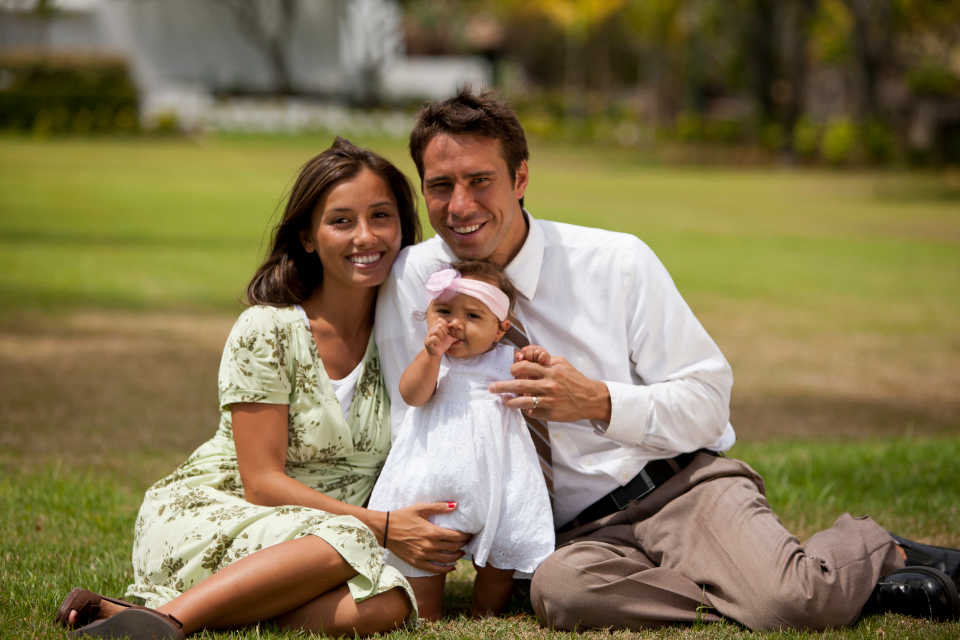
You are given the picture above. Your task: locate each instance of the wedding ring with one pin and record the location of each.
(536, 401)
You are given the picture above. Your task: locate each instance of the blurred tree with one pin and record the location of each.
(872, 39)
(577, 19)
(267, 25)
(370, 35)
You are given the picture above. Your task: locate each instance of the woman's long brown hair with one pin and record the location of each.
(289, 275)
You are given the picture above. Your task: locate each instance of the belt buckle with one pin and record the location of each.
(649, 486)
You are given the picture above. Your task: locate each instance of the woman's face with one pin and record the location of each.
(356, 231)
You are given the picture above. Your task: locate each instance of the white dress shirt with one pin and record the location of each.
(603, 301)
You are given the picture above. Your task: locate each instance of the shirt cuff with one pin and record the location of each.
(629, 413)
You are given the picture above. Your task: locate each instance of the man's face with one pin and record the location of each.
(472, 202)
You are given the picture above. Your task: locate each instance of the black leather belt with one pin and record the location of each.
(653, 474)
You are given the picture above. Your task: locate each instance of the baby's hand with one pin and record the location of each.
(438, 338)
(533, 353)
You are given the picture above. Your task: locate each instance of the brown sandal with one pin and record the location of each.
(138, 623)
(87, 605)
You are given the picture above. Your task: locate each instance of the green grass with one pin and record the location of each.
(60, 528)
(836, 297)
(180, 223)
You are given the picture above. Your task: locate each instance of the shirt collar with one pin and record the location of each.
(524, 269)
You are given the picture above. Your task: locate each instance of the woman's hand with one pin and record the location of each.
(419, 542)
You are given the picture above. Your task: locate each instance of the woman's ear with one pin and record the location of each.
(306, 241)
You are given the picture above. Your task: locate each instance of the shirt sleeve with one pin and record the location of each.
(682, 400)
(254, 363)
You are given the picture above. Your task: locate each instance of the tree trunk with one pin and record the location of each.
(800, 16)
(871, 38)
(762, 55)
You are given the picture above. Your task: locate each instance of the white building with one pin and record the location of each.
(185, 53)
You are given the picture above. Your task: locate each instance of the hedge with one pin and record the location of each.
(67, 94)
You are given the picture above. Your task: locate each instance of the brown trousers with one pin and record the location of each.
(706, 545)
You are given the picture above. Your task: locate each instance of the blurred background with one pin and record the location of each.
(814, 81)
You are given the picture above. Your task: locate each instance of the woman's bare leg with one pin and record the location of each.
(429, 592)
(336, 613)
(261, 585)
(258, 587)
(491, 591)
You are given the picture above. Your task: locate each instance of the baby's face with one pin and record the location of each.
(468, 320)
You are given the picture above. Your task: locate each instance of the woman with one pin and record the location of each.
(265, 520)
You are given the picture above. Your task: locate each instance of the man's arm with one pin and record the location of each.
(682, 400)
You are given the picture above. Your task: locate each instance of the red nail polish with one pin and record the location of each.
(451, 505)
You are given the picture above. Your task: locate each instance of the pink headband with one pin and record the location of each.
(446, 283)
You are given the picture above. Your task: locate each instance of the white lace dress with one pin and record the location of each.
(464, 445)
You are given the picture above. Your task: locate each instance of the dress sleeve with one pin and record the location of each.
(254, 363)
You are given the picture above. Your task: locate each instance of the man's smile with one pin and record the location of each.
(467, 229)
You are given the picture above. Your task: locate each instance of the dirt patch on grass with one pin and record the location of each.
(94, 388)
(101, 389)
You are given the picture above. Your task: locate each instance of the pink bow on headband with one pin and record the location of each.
(446, 283)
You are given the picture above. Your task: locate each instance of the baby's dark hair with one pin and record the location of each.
(489, 273)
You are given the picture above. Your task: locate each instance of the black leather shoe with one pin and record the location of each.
(926, 555)
(922, 592)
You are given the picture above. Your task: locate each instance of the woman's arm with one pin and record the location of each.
(260, 436)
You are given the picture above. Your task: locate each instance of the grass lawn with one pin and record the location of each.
(836, 297)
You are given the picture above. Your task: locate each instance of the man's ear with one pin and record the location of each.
(521, 180)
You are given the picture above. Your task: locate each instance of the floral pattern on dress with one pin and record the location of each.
(195, 521)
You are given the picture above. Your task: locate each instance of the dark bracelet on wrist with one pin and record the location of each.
(386, 530)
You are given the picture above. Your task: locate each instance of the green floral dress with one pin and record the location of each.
(195, 521)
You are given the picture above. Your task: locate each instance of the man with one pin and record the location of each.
(654, 524)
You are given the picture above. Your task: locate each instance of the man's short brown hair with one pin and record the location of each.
(471, 114)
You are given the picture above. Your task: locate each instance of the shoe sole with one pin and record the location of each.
(137, 624)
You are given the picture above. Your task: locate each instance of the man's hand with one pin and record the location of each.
(423, 544)
(438, 338)
(550, 388)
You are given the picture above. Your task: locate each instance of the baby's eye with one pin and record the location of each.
(473, 316)
(442, 312)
